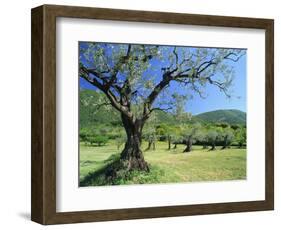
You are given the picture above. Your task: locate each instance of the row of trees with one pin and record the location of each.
(100, 136)
(211, 136)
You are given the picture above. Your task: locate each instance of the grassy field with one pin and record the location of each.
(170, 166)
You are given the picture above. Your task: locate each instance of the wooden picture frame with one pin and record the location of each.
(43, 208)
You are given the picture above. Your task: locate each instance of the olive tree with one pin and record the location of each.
(202, 137)
(213, 136)
(166, 133)
(189, 134)
(151, 137)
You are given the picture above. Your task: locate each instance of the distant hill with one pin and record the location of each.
(92, 115)
(230, 116)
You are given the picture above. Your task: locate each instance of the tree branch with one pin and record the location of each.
(176, 54)
(220, 85)
(113, 100)
(158, 88)
(236, 57)
(161, 109)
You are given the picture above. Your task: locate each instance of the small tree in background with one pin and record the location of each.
(189, 135)
(177, 137)
(150, 133)
(151, 137)
(212, 136)
(170, 135)
(167, 133)
(96, 136)
(98, 139)
(227, 136)
(202, 137)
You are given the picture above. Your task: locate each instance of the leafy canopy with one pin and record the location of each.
(138, 79)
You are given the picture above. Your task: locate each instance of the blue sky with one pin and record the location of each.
(215, 99)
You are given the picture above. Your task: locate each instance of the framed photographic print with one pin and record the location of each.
(141, 114)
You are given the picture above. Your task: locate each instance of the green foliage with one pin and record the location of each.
(228, 134)
(99, 136)
(212, 135)
(125, 178)
(241, 136)
(97, 139)
(202, 135)
(94, 112)
(99, 124)
(83, 134)
(120, 137)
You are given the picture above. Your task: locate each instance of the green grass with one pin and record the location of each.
(169, 166)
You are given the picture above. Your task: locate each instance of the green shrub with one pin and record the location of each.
(99, 140)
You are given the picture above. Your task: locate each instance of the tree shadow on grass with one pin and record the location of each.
(105, 175)
(117, 172)
(88, 162)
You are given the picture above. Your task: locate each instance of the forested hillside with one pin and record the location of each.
(94, 112)
(230, 116)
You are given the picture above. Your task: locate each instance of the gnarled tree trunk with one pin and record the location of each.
(213, 146)
(132, 155)
(149, 145)
(169, 142)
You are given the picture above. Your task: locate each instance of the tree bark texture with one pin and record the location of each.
(132, 154)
